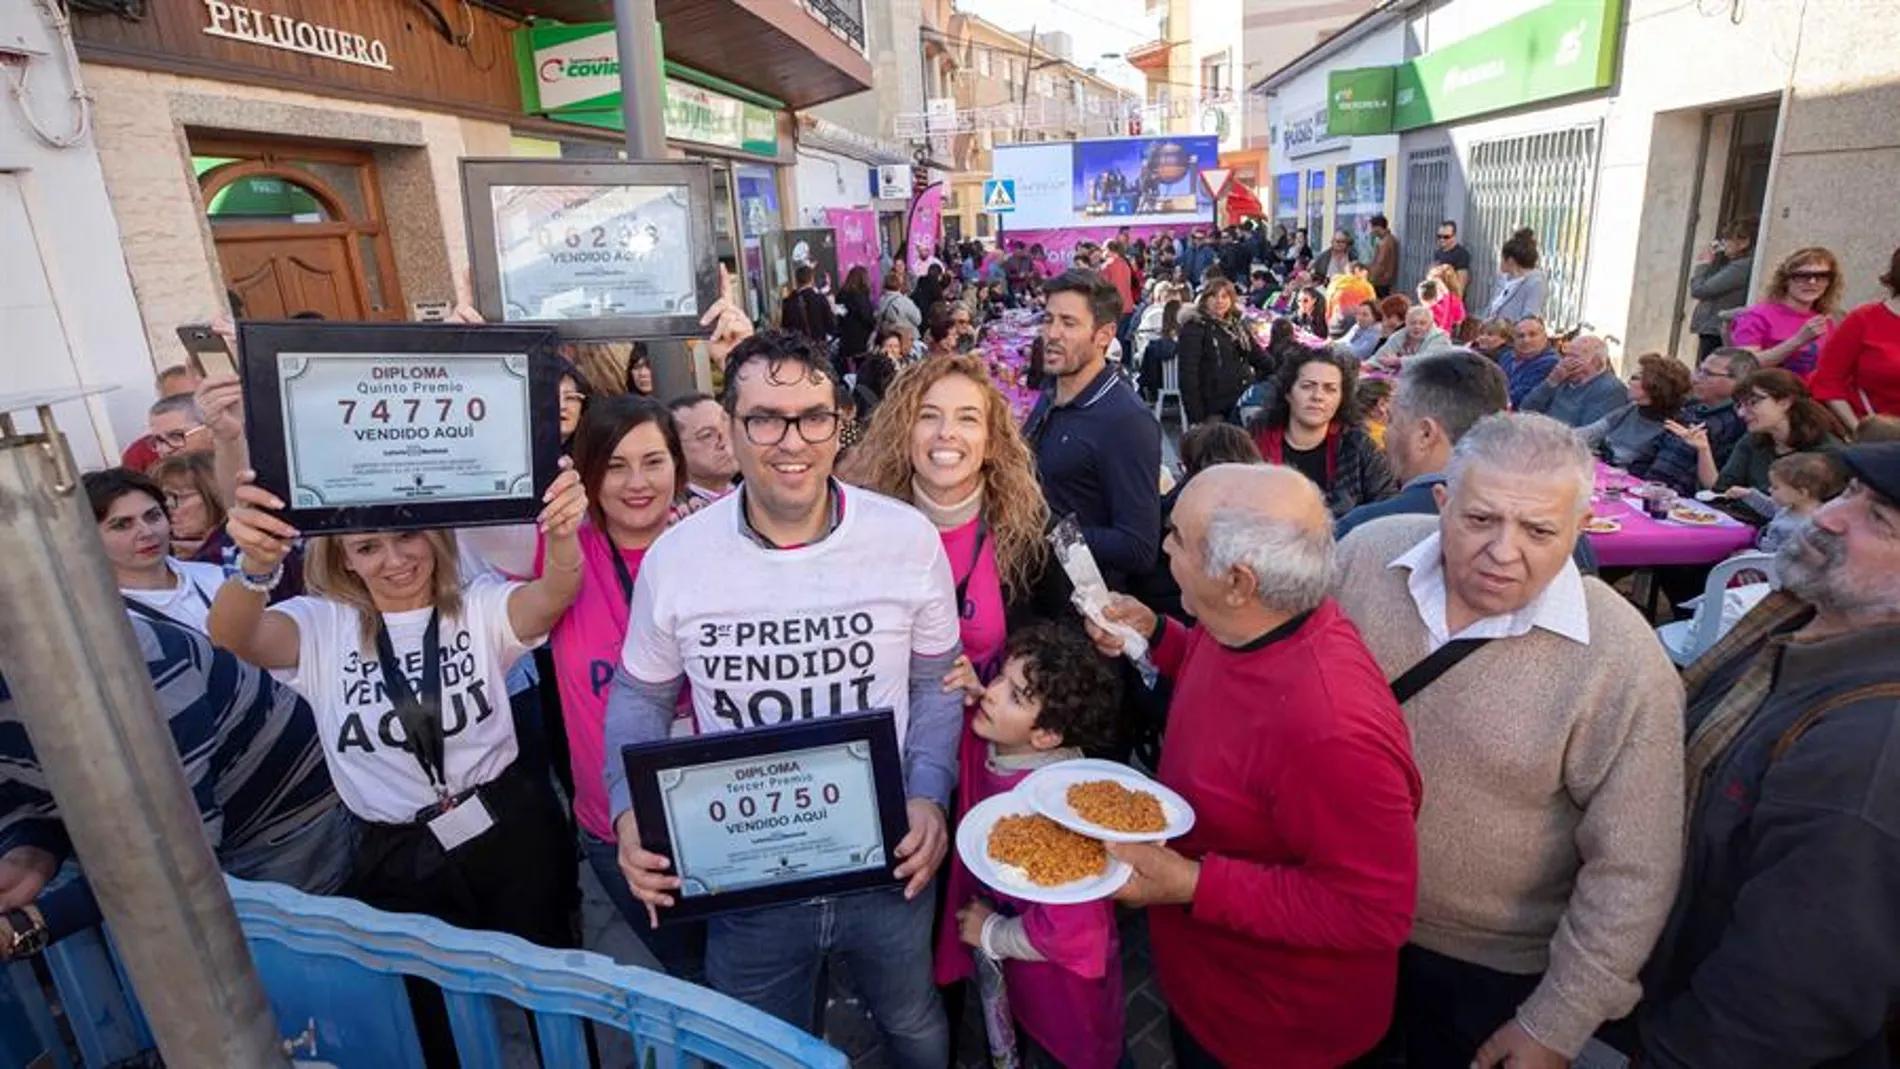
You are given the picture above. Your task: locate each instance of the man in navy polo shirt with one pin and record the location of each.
(1098, 448)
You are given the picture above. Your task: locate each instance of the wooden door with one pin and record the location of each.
(279, 275)
(299, 228)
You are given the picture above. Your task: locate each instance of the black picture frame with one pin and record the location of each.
(262, 346)
(645, 762)
(481, 176)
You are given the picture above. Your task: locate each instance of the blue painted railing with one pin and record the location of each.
(333, 970)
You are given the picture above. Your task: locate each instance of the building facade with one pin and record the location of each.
(273, 158)
(1323, 180)
(1274, 33)
(1009, 89)
(1626, 132)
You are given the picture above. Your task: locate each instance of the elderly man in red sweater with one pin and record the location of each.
(1277, 921)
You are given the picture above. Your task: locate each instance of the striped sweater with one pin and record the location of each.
(251, 757)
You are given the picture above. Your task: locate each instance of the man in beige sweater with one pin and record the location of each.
(1551, 835)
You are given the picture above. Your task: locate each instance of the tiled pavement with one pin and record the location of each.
(848, 1027)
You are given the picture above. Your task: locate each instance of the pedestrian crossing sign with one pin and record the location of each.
(999, 195)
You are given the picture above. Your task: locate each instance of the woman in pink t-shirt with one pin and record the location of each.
(1787, 327)
(629, 459)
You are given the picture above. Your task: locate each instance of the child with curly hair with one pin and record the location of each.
(1055, 697)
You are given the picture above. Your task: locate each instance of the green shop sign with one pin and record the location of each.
(572, 74)
(1566, 47)
(1359, 101)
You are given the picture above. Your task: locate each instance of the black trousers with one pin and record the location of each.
(512, 878)
(1188, 1052)
(1446, 1009)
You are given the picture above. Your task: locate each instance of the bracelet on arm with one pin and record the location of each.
(259, 584)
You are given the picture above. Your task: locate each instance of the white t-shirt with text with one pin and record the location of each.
(363, 738)
(767, 636)
(189, 600)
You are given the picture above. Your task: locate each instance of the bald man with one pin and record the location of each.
(1277, 920)
(1581, 389)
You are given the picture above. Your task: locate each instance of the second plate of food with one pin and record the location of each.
(1108, 801)
(1018, 851)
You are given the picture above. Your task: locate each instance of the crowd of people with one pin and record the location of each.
(1454, 804)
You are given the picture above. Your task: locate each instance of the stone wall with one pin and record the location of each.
(141, 120)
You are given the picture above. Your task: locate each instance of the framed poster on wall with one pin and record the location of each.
(1286, 201)
(595, 249)
(1316, 231)
(1358, 195)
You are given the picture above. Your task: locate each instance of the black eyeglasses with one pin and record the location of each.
(1810, 276)
(1448, 237)
(770, 428)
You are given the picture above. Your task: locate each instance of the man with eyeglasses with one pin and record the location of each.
(1452, 253)
(1708, 423)
(177, 427)
(711, 469)
(792, 598)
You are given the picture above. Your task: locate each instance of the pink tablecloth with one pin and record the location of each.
(1647, 543)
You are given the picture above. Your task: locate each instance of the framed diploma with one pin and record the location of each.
(597, 249)
(375, 427)
(753, 818)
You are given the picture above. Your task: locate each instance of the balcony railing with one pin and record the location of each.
(844, 16)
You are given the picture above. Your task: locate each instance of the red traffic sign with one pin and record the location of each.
(1216, 179)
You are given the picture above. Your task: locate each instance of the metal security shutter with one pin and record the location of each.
(1546, 182)
(1427, 178)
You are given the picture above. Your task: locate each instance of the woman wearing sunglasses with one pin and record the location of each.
(1786, 328)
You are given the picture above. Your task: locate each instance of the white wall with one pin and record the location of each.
(828, 180)
(1837, 160)
(1215, 28)
(67, 313)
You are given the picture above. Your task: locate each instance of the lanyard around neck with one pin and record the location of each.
(420, 713)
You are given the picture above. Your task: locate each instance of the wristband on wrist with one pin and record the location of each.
(260, 584)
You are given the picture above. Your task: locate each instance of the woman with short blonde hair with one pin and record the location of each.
(405, 668)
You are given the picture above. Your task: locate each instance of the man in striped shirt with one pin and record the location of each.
(250, 753)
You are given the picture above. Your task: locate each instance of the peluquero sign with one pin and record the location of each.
(287, 33)
(1554, 51)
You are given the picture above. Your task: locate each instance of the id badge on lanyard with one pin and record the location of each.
(421, 716)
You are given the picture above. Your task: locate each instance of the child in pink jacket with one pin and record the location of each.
(1054, 696)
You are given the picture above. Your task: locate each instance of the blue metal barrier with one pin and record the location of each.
(333, 969)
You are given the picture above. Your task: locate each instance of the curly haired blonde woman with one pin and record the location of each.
(944, 440)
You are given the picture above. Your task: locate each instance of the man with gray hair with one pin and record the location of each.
(1784, 944)
(1581, 389)
(1277, 920)
(176, 426)
(1551, 836)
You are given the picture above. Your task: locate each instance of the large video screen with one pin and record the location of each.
(1115, 182)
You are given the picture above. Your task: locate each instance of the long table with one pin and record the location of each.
(1644, 542)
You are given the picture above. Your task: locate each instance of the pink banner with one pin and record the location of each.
(1058, 244)
(857, 240)
(926, 222)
